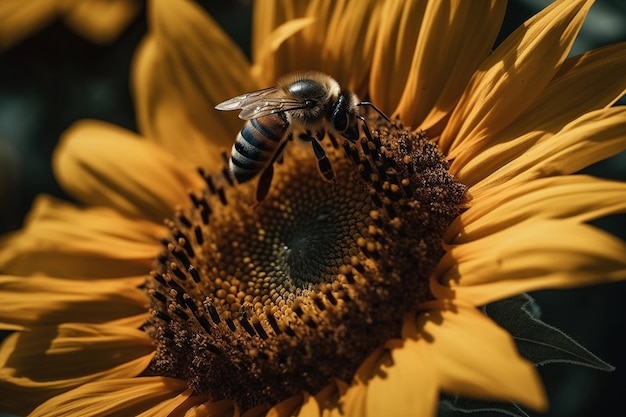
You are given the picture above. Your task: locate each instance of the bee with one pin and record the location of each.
(301, 105)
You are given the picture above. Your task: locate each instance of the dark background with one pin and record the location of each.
(55, 77)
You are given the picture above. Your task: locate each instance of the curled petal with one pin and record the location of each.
(316, 26)
(267, 52)
(273, 53)
(268, 16)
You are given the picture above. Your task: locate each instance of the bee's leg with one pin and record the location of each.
(323, 163)
(265, 181)
(368, 133)
(280, 152)
(333, 140)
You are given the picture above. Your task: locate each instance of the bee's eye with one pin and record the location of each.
(310, 103)
(340, 120)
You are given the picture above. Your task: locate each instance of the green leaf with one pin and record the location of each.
(453, 403)
(538, 341)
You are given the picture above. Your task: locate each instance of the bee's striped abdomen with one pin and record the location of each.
(256, 146)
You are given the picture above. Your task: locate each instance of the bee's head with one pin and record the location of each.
(317, 92)
(342, 115)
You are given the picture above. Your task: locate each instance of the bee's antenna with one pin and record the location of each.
(373, 106)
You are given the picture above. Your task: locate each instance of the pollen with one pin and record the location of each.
(256, 303)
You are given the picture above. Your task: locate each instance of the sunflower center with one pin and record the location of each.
(308, 244)
(256, 304)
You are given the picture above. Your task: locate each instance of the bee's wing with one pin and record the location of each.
(240, 102)
(261, 103)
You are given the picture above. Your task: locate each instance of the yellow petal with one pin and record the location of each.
(287, 407)
(162, 116)
(65, 241)
(257, 411)
(171, 406)
(400, 383)
(396, 39)
(264, 67)
(191, 405)
(303, 50)
(577, 198)
(39, 364)
(19, 19)
(74, 350)
(474, 357)
(123, 397)
(330, 405)
(271, 20)
(101, 164)
(588, 139)
(584, 83)
(407, 387)
(353, 398)
(224, 408)
(134, 322)
(328, 396)
(100, 21)
(40, 301)
(445, 57)
(193, 66)
(339, 40)
(349, 43)
(533, 255)
(310, 407)
(512, 77)
(352, 403)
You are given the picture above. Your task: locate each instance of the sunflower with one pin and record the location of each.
(99, 21)
(357, 297)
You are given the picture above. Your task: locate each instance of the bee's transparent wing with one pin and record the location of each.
(261, 103)
(267, 106)
(240, 101)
